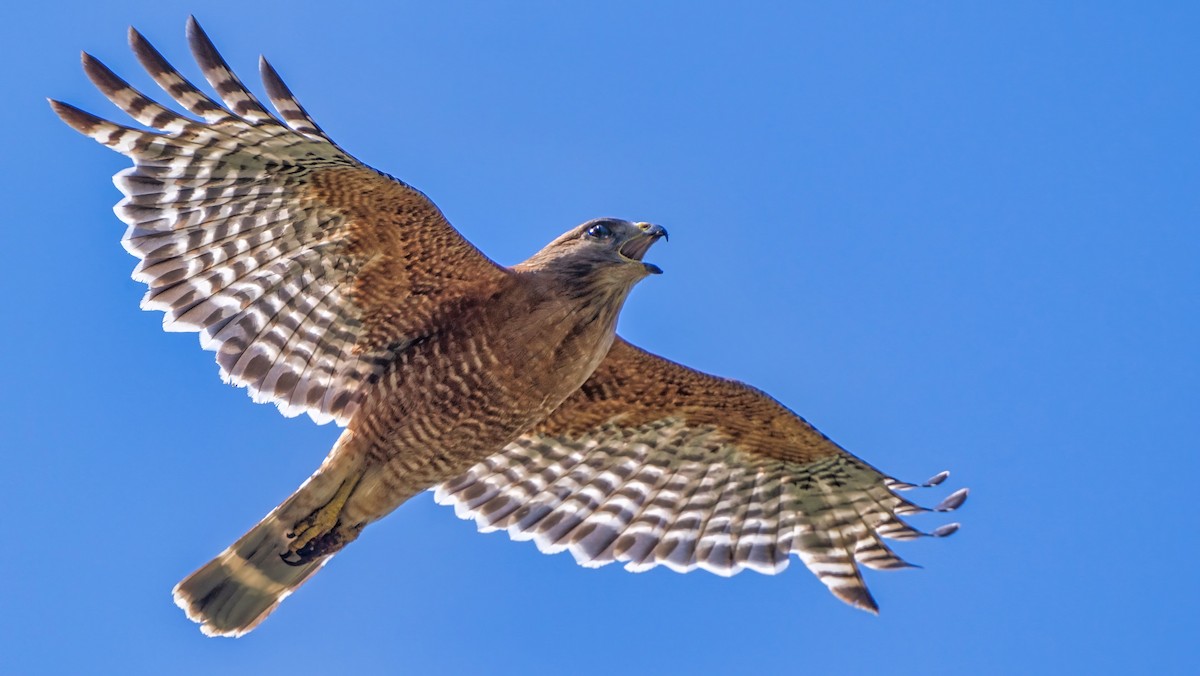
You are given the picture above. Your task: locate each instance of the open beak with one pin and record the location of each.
(637, 247)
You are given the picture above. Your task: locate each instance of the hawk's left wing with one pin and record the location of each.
(654, 463)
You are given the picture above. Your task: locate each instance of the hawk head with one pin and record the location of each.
(601, 253)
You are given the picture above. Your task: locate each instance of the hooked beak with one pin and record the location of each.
(637, 247)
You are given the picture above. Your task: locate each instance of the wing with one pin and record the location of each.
(303, 269)
(654, 463)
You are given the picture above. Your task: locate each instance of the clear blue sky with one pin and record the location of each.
(954, 236)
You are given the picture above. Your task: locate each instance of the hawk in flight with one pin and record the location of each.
(329, 288)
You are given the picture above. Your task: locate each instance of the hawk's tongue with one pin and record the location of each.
(638, 246)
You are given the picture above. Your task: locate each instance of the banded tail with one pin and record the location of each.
(233, 593)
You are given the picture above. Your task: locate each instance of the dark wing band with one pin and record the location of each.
(303, 269)
(652, 463)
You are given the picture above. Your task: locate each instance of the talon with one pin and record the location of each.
(298, 561)
(324, 544)
(314, 535)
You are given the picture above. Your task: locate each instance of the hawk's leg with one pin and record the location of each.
(322, 532)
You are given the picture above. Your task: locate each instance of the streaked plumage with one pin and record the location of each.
(651, 463)
(329, 288)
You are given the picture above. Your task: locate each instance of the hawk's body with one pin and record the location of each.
(331, 289)
(505, 361)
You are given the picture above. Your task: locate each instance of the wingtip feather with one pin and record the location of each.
(946, 530)
(78, 119)
(139, 44)
(937, 478)
(193, 27)
(858, 596)
(101, 75)
(203, 49)
(953, 501)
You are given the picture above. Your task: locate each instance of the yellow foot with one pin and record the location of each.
(322, 532)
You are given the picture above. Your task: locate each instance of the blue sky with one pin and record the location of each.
(951, 235)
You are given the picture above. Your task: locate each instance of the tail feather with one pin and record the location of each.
(234, 592)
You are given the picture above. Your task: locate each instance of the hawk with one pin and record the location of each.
(329, 288)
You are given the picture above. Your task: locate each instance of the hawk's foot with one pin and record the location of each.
(322, 531)
(326, 543)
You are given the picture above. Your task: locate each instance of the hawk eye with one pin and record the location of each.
(599, 231)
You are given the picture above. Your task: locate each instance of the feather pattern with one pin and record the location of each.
(252, 231)
(645, 467)
(329, 288)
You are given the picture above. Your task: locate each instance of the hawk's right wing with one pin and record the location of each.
(303, 269)
(652, 463)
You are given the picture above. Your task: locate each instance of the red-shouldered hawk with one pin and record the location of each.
(331, 289)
